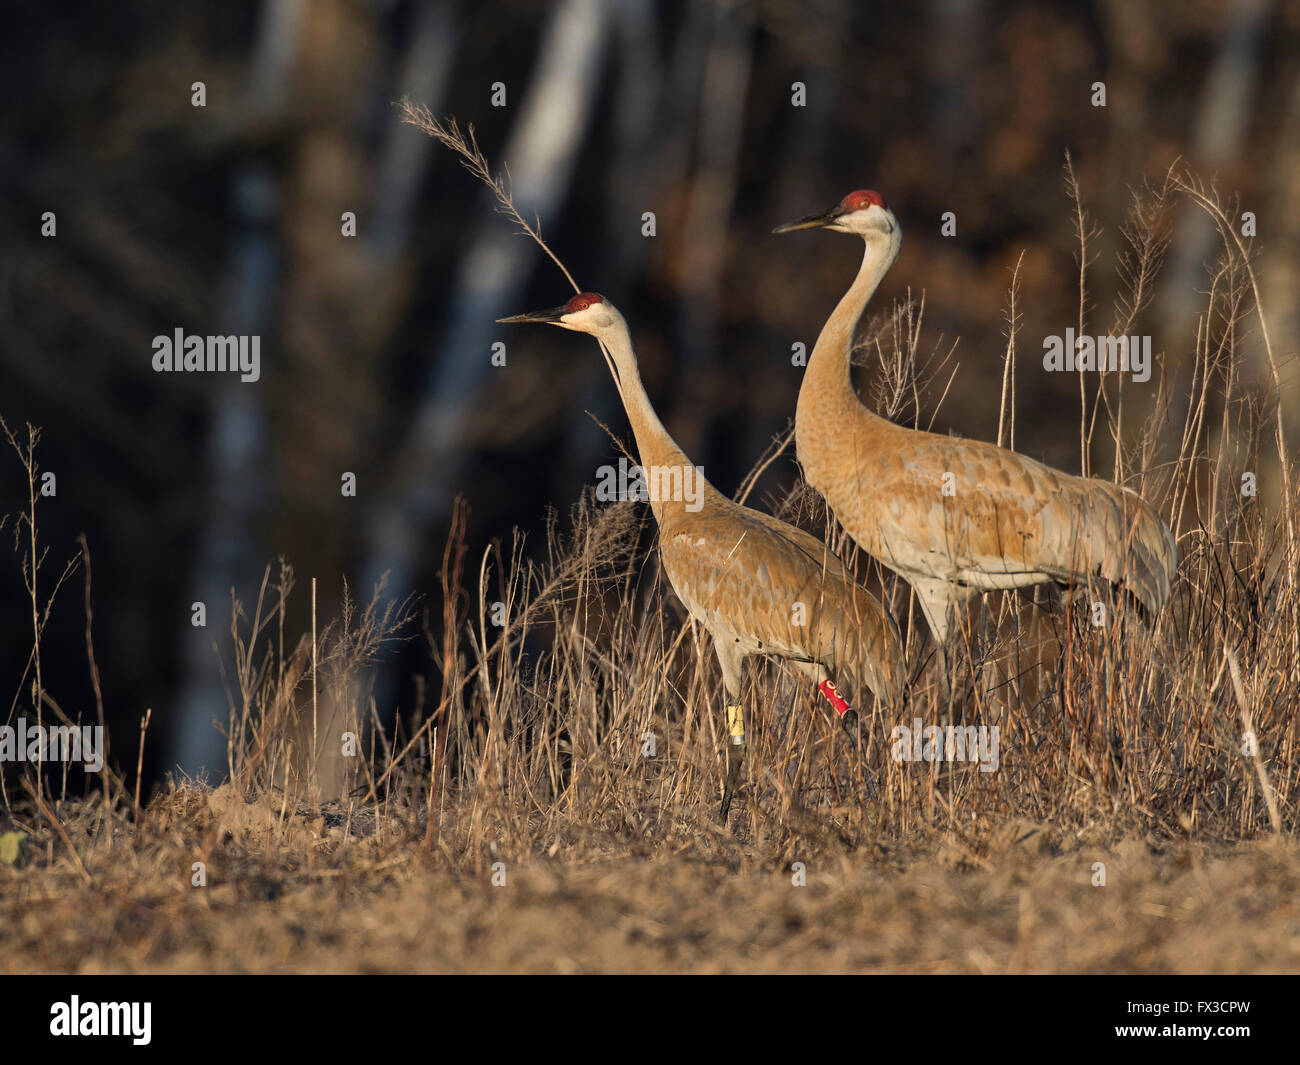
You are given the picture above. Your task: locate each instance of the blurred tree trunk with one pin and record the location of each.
(227, 554)
(541, 152)
(799, 183)
(957, 33)
(1223, 121)
(406, 155)
(632, 186)
(707, 230)
(1279, 268)
(377, 294)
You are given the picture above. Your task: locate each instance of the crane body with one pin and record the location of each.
(757, 585)
(953, 516)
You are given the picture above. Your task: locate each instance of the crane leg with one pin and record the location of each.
(731, 659)
(936, 599)
(945, 682)
(848, 717)
(844, 713)
(735, 754)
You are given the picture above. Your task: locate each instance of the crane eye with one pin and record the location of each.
(582, 305)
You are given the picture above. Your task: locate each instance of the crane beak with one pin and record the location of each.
(553, 315)
(813, 221)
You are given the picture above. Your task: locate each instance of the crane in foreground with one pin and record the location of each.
(955, 517)
(757, 584)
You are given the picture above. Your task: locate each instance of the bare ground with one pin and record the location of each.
(290, 893)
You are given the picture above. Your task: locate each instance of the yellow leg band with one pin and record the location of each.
(736, 724)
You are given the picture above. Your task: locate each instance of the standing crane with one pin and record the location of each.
(756, 584)
(951, 516)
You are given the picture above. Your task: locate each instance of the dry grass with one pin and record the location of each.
(576, 739)
(312, 891)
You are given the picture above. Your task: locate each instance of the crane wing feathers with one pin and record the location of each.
(964, 509)
(754, 579)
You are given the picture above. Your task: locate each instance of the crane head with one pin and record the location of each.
(862, 211)
(587, 312)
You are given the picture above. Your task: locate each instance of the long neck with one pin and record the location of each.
(654, 446)
(827, 381)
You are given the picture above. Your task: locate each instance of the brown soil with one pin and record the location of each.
(290, 893)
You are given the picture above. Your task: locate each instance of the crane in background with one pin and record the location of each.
(955, 517)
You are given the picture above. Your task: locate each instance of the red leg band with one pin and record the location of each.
(833, 696)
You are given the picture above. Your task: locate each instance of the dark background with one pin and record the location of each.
(226, 219)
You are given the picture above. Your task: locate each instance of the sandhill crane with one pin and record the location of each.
(952, 516)
(756, 584)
